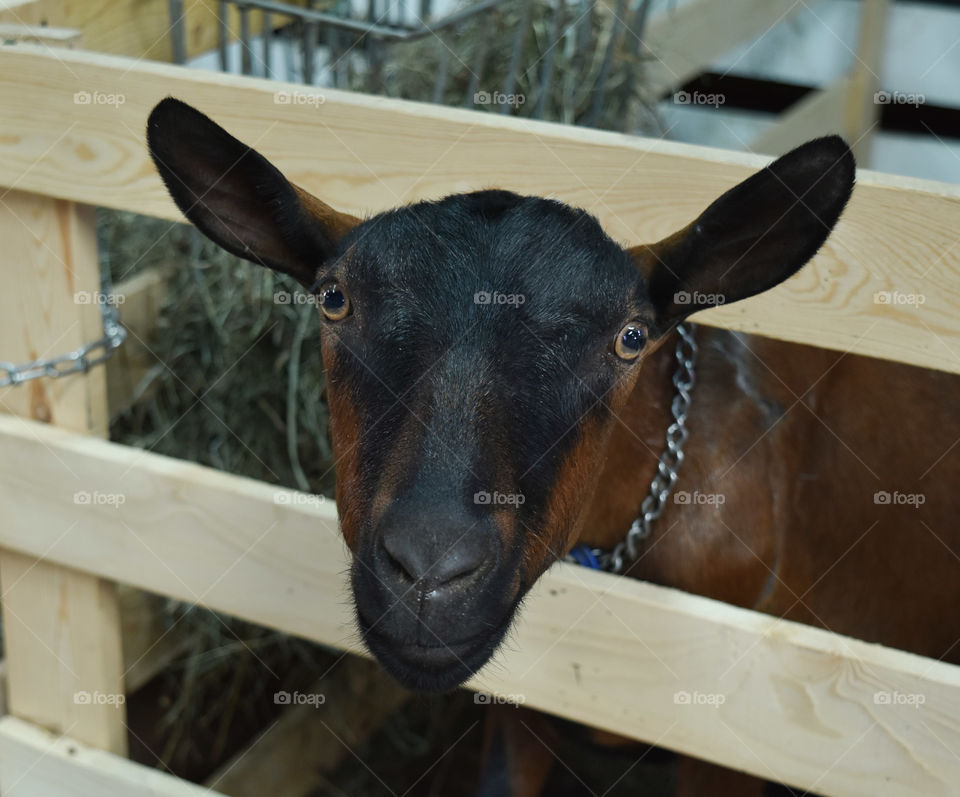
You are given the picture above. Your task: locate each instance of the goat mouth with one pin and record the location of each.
(435, 667)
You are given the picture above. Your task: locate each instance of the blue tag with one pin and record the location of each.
(584, 556)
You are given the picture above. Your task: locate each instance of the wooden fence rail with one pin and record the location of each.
(898, 239)
(781, 700)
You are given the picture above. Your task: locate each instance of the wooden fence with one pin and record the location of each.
(800, 704)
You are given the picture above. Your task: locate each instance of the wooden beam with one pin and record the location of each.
(40, 34)
(682, 41)
(47, 307)
(862, 111)
(20, 12)
(62, 644)
(61, 627)
(139, 300)
(3, 687)
(36, 763)
(140, 29)
(148, 645)
(781, 700)
(296, 754)
(366, 154)
(818, 114)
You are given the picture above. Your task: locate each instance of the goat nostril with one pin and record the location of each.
(420, 565)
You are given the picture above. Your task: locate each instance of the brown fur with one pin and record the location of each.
(798, 440)
(345, 434)
(335, 223)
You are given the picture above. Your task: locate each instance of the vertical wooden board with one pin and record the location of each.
(20, 12)
(51, 283)
(311, 739)
(139, 301)
(63, 652)
(137, 28)
(863, 110)
(34, 763)
(148, 645)
(685, 38)
(820, 113)
(3, 687)
(61, 627)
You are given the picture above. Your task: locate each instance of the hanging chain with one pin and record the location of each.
(79, 360)
(627, 550)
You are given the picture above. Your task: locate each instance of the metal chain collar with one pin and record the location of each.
(79, 360)
(627, 550)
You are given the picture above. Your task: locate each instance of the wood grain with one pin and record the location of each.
(49, 267)
(863, 113)
(138, 29)
(61, 627)
(139, 309)
(40, 34)
(365, 154)
(782, 700)
(61, 631)
(36, 763)
(20, 12)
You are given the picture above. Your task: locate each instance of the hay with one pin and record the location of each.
(238, 385)
(238, 382)
(476, 57)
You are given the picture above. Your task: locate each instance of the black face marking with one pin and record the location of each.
(488, 317)
(491, 315)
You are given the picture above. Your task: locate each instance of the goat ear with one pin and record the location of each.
(753, 237)
(237, 198)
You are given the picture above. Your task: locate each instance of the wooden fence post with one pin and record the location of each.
(863, 111)
(61, 627)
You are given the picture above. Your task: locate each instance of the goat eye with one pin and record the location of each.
(630, 341)
(334, 302)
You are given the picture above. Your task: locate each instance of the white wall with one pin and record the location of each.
(816, 46)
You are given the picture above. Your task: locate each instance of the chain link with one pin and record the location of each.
(79, 360)
(668, 466)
